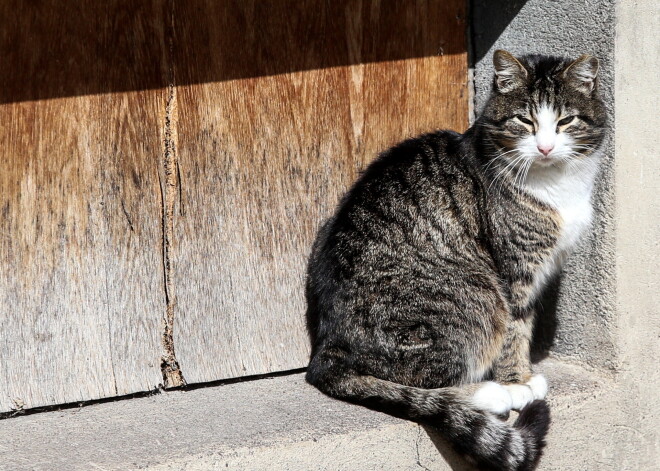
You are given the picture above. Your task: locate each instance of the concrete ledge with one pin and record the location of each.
(284, 424)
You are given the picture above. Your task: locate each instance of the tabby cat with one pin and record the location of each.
(421, 288)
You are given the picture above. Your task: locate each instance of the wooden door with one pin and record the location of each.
(165, 166)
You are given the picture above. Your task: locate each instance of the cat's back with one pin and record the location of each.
(400, 170)
(418, 203)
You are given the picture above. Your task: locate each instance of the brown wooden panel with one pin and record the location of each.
(81, 278)
(264, 156)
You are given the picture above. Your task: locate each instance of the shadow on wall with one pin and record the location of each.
(494, 16)
(56, 49)
(546, 322)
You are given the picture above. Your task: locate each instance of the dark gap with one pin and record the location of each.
(152, 392)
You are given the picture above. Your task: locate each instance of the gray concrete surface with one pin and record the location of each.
(585, 325)
(280, 424)
(637, 70)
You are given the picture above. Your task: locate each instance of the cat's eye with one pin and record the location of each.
(565, 121)
(524, 120)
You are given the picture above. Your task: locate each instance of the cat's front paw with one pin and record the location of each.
(493, 397)
(539, 386)
(521, 395)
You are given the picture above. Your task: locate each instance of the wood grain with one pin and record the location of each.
(264, 158)
(165, 166)
(81, 277)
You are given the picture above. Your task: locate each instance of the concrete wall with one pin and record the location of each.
(584, 327)
(637, 176)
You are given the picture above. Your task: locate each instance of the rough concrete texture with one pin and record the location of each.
(285, 424)
(586, 298)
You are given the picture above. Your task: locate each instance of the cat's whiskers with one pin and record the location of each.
(521, 175)
(498, 158)
(519, 163)
(574, 166)
(567, 156)
(585, 149)
(527, 169)
(505, 170)
(495, 160)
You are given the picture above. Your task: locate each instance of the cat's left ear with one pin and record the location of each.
(582, 72)
(509, 72)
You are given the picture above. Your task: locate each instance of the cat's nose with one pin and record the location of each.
(545, 149)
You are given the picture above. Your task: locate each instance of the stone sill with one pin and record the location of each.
(270, 424)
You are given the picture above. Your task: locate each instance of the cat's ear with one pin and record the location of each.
(509, 72)
(582, 72)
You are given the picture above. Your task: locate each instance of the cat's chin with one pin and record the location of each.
(546, 161)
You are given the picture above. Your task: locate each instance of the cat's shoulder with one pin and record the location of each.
(432, 143)
(428, 147)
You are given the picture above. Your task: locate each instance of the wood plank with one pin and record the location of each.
(81, 277)
(309, 93)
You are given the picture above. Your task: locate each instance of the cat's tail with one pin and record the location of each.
(489, 441)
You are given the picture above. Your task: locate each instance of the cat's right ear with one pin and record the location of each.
(509, 72)
(582, 72)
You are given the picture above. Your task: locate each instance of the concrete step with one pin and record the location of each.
(284, 424)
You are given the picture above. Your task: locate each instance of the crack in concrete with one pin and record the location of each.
(418, 457)
(172, 374)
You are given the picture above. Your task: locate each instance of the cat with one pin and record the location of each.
(421, 288)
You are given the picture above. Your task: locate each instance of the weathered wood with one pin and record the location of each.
(309, 92)
(165, 166)
(81, 277)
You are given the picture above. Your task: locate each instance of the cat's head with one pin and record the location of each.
(544, 110)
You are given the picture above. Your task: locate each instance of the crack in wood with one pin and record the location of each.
(170, 191)
(127, 216)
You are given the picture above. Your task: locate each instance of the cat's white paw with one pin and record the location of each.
(539, 386)
(521, 395)
(492, 397)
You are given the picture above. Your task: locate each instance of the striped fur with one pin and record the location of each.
(424, 280)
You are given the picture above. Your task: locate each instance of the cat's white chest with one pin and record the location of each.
(569, 192)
